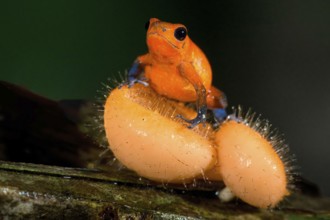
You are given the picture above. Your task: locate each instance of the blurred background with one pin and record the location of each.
(273, 56)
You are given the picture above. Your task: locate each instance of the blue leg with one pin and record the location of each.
(220, 114)
(200, 118)
(134, 75)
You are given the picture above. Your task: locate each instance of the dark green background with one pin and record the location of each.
(273, 56)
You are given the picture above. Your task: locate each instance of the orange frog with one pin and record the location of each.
(177, 68)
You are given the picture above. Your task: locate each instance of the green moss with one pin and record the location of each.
(32, 191)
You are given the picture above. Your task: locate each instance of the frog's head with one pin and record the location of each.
(166, 40)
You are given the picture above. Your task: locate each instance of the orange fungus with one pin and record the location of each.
(146, 136)
(250, 166)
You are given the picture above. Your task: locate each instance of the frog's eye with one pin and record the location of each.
(146, 25)
(180, 33)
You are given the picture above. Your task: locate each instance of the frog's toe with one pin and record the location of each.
(201, 118)
(195, 122)
(221, 115)
(125, 83)
(131, 82)
(143, 82)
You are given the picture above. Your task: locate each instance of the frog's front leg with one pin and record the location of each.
(188, 71)
(135, 73)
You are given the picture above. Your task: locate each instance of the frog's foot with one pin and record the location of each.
(220, 114)
(200, 118)
(130, 82)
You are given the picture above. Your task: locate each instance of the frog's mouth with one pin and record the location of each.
(162, 36)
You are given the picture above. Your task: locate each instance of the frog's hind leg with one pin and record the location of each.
(217, 102)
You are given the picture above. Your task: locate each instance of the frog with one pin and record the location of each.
(175, 67)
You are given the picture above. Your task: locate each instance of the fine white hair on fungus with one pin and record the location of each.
(273, 136)
(253, 160)
(146, 136)
(94, 120)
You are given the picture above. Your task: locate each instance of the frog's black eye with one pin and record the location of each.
(180, 33)
(146, 26)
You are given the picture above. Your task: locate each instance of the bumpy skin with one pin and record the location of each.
(177, 69)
